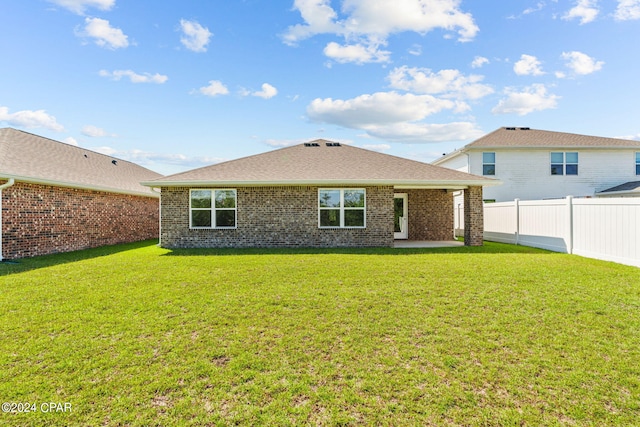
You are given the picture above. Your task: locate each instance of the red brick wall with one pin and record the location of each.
(473, 217)
(430, 214)
(41, 219)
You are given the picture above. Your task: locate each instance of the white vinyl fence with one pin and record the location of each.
(607, 229)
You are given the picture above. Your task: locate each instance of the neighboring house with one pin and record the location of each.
(538, 164)
(317, 194)
(56, 197)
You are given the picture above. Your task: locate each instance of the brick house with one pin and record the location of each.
(55, 197)
(317, 194)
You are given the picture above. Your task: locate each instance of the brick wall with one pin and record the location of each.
(430, 214)
(473, 217)
(41, 219)
(277, 217)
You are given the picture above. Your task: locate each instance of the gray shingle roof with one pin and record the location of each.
(322, 165)
(533, 138)
(627, 186)
(32, 158)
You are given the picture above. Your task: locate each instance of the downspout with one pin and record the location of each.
(7, 184)
(159, 215)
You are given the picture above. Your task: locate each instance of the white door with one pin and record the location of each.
(400, 216)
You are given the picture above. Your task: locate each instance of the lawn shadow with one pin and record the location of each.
(487, 248)
(8, 267)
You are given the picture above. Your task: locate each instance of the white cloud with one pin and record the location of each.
(94, 132)
(104, 34)
(381, 148)
(195, 36)
(267, 92)
(479, 61)
(134, 77)
(532, 98)
(585, 10)
(581, 63)
(528, 65)
(415, 50)
(366, 25)
(215, 88)
(426, 132)
(376, 109)
(161, 162)
(71, 141)
(392, 116)
(450, 83)
(79, 6)
(627, 10)
(356, 53)
(30, 119)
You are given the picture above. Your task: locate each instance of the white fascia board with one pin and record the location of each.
(30, 180)
(437, 184)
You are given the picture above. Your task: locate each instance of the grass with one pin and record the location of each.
(502, 335)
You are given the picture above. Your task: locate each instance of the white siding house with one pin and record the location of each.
(538, 164)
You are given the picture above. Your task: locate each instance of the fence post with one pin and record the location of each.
(570, 208)
(517, 205)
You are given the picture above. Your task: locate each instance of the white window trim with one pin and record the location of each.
(342, 207)
(489, 163)
(213, 209)
(564, 163)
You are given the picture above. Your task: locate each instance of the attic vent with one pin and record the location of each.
(525, 128)
(311, 144)
(115, 162)
(333, 144)
(510, 128)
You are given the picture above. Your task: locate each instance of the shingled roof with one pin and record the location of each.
(323, 162)
(532, 138)
(31, 158)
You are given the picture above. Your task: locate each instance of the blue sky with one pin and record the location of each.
(175, 85)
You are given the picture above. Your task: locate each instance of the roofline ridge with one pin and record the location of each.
(75, 147)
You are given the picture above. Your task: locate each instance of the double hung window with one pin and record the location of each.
(342, 208)
(564, 163)
(212, 209)
(637, 163)
(488, 163)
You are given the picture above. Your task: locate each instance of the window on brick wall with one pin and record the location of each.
(564, 163)
(341, 208)
(212, 208)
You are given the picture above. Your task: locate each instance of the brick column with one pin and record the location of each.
(473, 216)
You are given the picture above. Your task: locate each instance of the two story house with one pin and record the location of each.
(539, 164)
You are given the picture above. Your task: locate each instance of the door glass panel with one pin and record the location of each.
(398, 212)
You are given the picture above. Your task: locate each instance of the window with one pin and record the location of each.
(213, 209)
(341, 208)
(637, 163)
(564, 163)
(488, 163)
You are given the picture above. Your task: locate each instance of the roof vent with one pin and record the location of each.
(510, 128)
(311, 144)
(333, 144)
(115, 162)
(525, 128)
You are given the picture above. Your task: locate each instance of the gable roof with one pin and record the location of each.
(323, 162)
(517, 137)
(31, 158)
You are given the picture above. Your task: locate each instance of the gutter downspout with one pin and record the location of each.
(7, 184)
(159, 214)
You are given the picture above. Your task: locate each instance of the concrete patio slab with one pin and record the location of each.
(426, 244)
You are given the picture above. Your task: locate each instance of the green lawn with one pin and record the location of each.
(498, 335)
